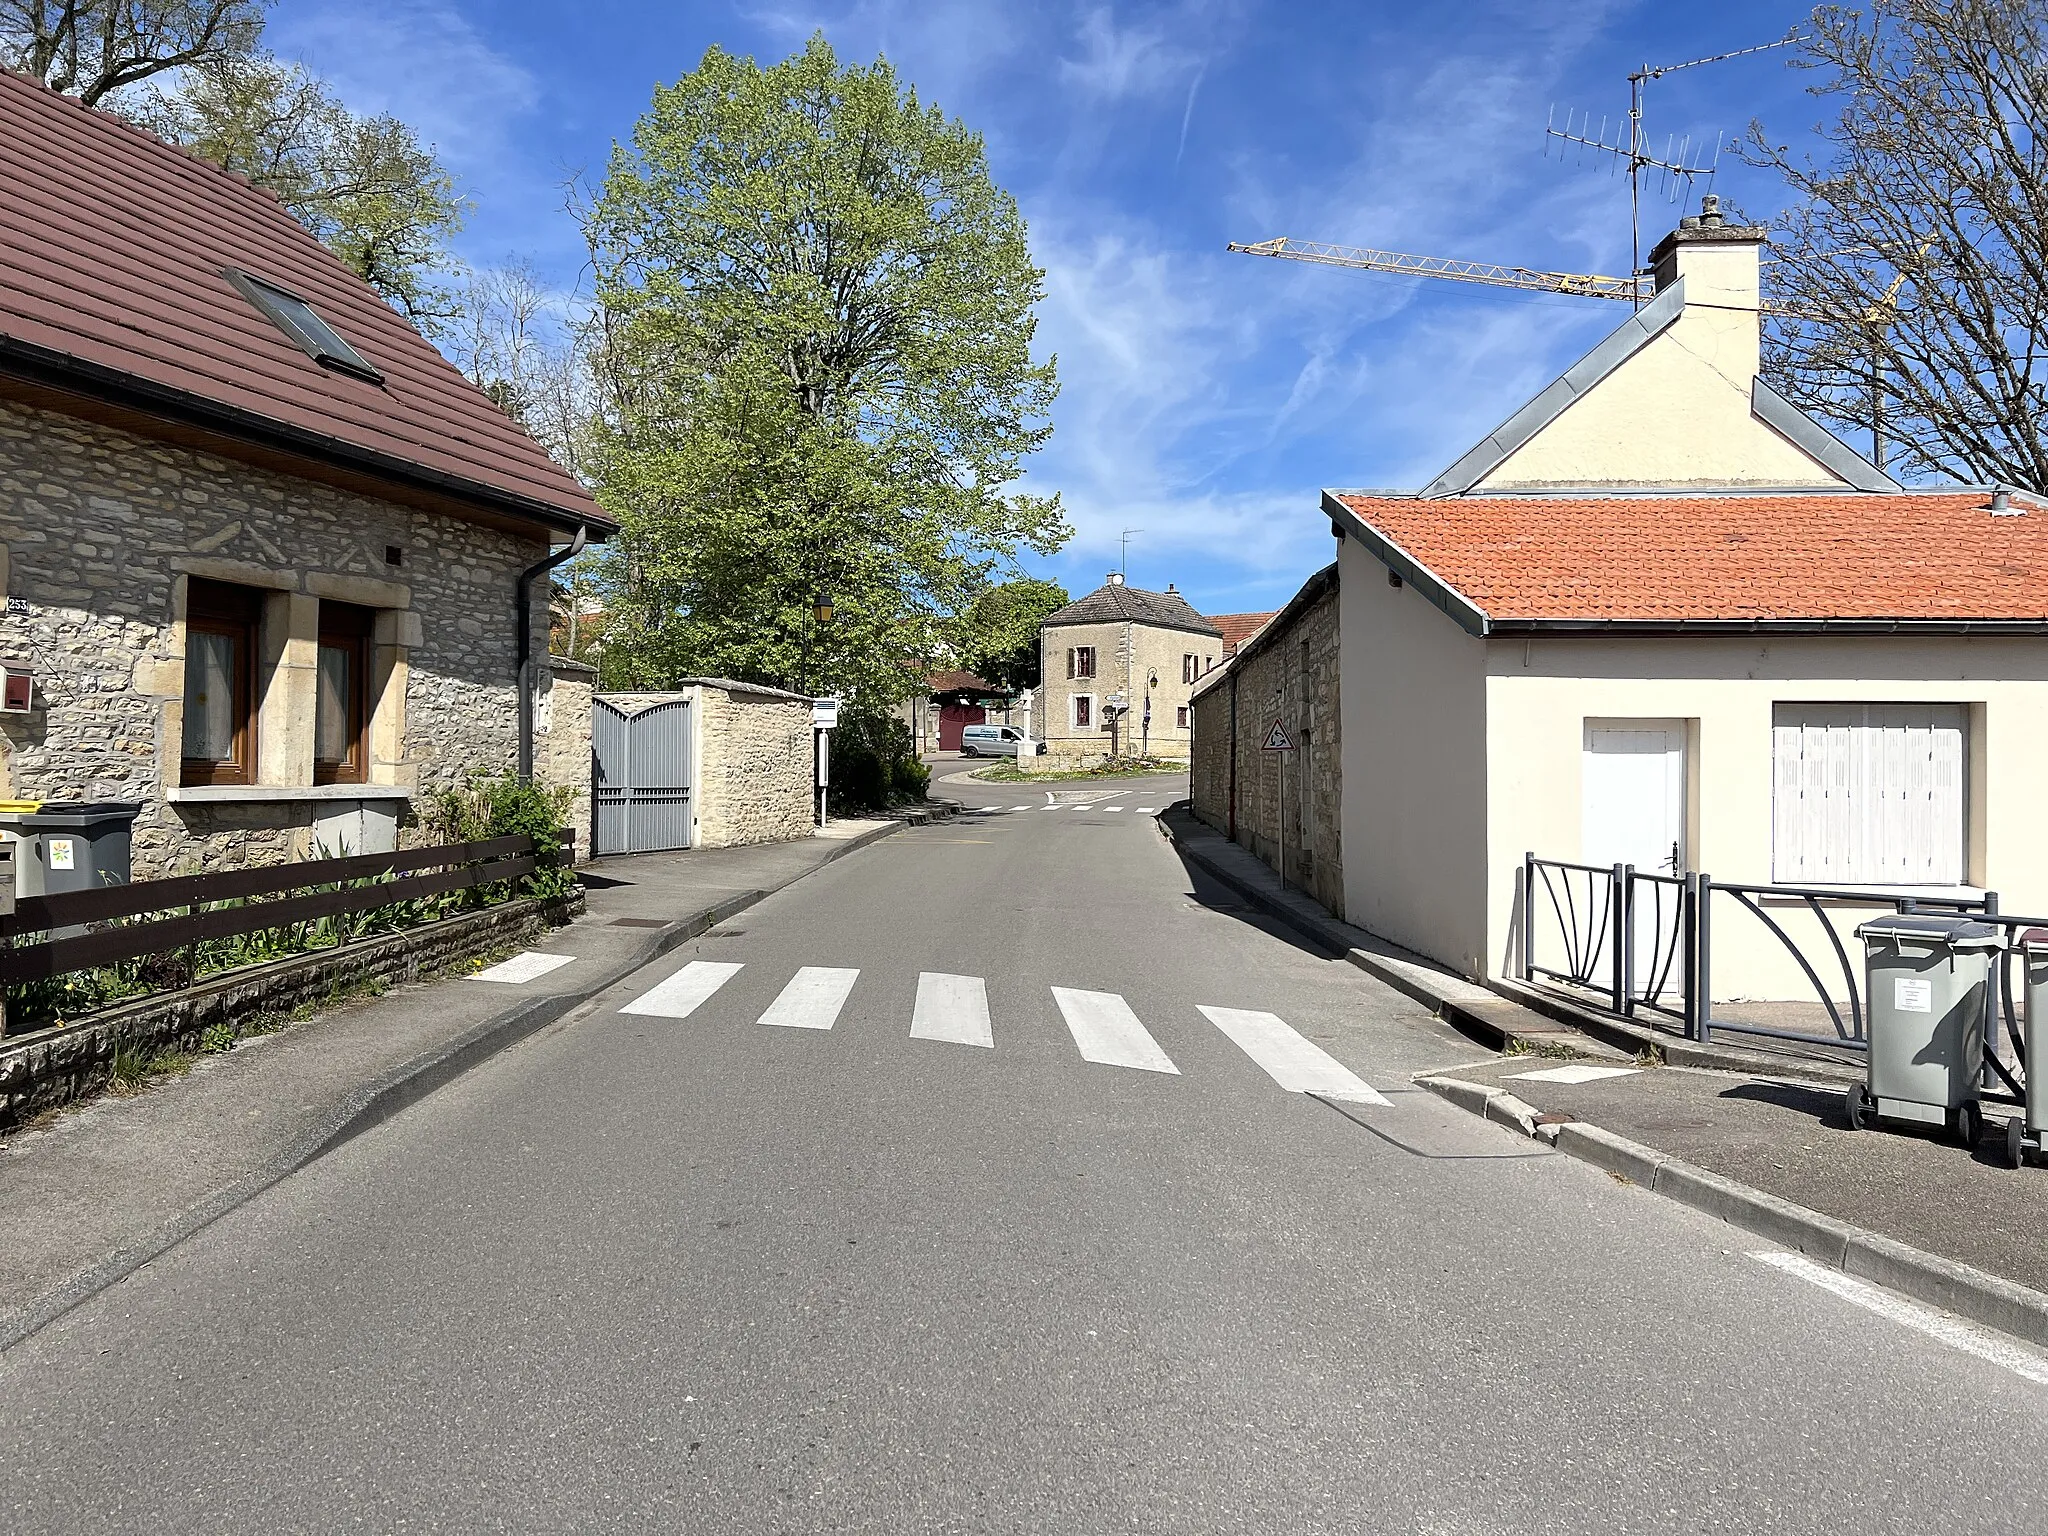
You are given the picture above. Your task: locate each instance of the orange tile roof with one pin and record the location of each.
(1916, 556)
(1239, 627)
(111, 249)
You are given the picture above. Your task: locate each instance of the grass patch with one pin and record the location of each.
(1006, 771)
(136, 1067)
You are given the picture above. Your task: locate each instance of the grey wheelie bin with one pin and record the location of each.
(2026, 1134)
(1928, 981)
(70, 845)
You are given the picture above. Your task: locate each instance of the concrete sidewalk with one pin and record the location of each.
(93, 1192)
(1739, 1135)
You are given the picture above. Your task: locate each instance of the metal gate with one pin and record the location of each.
(645, 767)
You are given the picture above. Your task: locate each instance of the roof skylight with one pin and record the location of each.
(300, 321)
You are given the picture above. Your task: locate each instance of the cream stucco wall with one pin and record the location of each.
(1541, 692)
(1678, 411)
(1413, 707)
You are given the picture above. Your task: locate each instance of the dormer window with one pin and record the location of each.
(300, 321)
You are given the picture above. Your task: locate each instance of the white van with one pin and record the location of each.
(993, 741)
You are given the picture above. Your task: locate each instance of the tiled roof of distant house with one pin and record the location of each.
(114, 255)
(966, 682)
(1115, 603)
(1780, 559)
(1239, 627)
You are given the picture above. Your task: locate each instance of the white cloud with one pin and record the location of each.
(420, 61)
(1116, 62)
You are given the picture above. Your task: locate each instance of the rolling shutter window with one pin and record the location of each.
(1868, 794)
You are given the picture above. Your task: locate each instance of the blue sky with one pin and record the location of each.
(1207, 397)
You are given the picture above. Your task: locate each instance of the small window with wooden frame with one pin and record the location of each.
(220, 683)
(341, 714)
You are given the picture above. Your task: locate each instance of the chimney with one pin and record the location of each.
(1718, 258)
(1116, 578)
(1172, 590)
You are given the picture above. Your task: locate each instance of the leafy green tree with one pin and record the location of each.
(999, 636)
(365, 186)
(818, 312)
(93, 49)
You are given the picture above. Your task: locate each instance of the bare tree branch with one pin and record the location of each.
(93, 48)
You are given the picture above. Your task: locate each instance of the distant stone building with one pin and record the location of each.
(1117, 668)
(1284, 805)
(261, 543)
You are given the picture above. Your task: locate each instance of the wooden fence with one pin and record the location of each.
(387, 879)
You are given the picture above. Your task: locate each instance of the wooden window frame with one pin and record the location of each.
(1183, 717)
(1084, 661)
(217, 608)
(346, 627)
(1084, 704)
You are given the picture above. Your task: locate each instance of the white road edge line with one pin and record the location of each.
(1297, 1064)
(1939, 1326)
(681, 994)
(812, 999)
(1107, 1032)
(528, 966)
(951, 1008)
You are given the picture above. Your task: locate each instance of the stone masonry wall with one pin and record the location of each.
(754, 768)
(101, 528)
(561, 753)
(1287, 802)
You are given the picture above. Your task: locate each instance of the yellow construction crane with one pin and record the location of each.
(1586, 285)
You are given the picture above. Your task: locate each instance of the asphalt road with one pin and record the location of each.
(675, 1270)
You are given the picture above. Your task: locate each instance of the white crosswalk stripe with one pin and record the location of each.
(1296, 1064)
(529, 966)
(1106, 1031)
(951, 1008)
(679, 996)
(812, 999)
(1142, 810)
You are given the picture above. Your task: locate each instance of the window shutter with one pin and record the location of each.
(1868, 794)
(1070, 662)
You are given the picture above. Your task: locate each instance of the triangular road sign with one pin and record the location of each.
(1276, 739)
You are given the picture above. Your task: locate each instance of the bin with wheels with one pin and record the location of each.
(1928, 982)
(2026, 1134)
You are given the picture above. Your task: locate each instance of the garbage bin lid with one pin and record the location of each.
(79, 813)
(1955, 932)
(2032, 938)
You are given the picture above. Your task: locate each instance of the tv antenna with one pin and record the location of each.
(1123, 552)
(1681, 164)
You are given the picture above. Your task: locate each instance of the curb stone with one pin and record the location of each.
(379, 1100)
(1970, 1293)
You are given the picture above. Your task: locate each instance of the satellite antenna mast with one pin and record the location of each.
(1681, 163)
(1123, 554)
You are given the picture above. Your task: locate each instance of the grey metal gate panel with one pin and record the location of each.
(644, 771)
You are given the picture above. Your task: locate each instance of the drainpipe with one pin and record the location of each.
(523, 607)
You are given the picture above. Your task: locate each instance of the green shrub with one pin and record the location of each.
(479, 809)
(874, 764)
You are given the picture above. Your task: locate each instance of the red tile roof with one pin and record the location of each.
(964, 682)
(111, 250)
(1916, 556)
(1239, 627)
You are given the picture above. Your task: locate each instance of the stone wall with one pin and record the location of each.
(755, 769)
(561, 753)
(103, 529)
(1126, 655)
(1286, 804)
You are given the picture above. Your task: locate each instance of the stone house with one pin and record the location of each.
(1285, 805)
(1110, 660)
(264, 549)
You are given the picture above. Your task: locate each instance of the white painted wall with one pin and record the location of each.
(1541, 692)
(1677, 413)
(1413, 707)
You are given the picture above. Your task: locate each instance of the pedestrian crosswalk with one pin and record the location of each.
(954, 1010)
